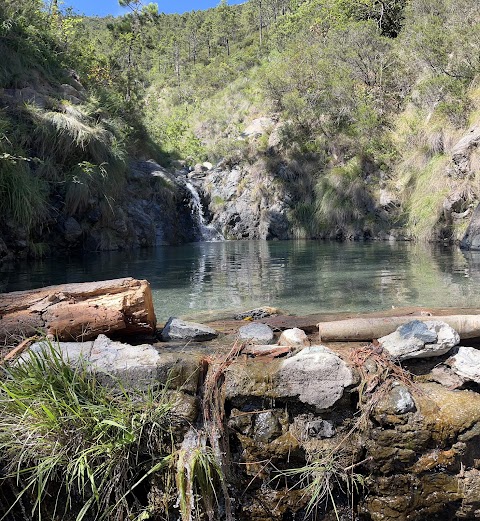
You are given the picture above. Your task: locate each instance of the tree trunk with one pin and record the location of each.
(120, 307)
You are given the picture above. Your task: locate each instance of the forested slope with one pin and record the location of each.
(358, 111)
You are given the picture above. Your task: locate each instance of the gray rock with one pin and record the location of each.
(134, 366)
(445, 376)
(176, 329)
(267, 426)
(471, 239)
(73, 230)
(258, 127)
(320, 429)
(256, 333)
(462, 151)
(400, 400)
(466, 364)
(418, 339)
(71, 351)
(316, 375)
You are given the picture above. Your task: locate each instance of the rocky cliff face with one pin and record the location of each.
(247, 202)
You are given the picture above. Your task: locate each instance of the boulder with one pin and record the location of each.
(466, 364)
(294, 337)
(256, 333)
(420, 339)
(73, 230)
(135, 366)
(471, 239)
(462, 151)
(176, 329)
(315, 376)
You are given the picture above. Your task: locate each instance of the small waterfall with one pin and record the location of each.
(207, 231)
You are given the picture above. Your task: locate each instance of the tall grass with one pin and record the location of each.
(75, 449)
(343, 200)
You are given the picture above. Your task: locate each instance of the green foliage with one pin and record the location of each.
(65, 437)
(343, 199)
(427, 189)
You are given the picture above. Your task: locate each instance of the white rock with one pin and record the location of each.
(466, 363)
(316, 375)
(418, 339)
(294, 337)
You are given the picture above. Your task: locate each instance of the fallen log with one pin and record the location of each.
(82, 311)
(366, 329)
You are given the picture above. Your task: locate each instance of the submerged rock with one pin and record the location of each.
(255, 314)
(176, 329)
(256, 333)
(418, 339)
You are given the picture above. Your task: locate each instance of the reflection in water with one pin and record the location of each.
(299, 276)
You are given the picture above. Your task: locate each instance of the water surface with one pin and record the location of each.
(297, 276)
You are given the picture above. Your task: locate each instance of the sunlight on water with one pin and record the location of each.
(297, 276)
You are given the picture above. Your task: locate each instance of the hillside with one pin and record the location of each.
(326, 118)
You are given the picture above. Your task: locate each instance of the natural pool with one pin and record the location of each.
(300, 277)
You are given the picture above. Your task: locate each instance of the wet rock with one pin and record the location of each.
(256, 333)
(176, 329)
(257, 313)
(179, 370)
(466, 364)
(419, 339)
(294, 337)
(470, 484)
(267, 426)
(183, 405)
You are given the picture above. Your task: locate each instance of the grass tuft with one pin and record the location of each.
(73, 446)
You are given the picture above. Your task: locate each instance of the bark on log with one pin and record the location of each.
(366, 329)
(80, 311)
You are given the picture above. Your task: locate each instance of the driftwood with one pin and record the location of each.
(78, 311)
(366, 329)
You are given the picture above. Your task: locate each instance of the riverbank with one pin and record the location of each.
(286, 425)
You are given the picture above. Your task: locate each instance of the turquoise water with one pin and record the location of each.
(297, 276)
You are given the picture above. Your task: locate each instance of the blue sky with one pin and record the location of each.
(106, 7)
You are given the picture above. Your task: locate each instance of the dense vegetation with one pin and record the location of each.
(371, 96)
